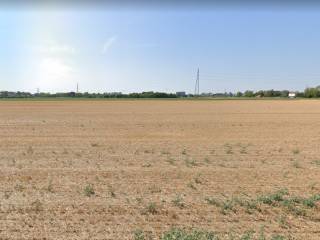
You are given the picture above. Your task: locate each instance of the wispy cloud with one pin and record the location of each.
(54, 48)
(110, 41)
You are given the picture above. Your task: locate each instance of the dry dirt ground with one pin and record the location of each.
(105, 169)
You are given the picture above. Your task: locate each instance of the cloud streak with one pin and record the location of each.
(54, 48)
(107, 45)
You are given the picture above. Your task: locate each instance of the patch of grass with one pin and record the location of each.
(296, 210)
(197, 179)
(311, 202)
(180, 234)
(37, 206)
(283, 222)
(152, 208)
(207, 160)
(111, 191)
(229, 151)
(312, 186)
(171, 161)
(261, 234)
(30, 150)
(316, 162)
(154, 189)
(7, 194)
(148, 151)
(165, 152)
(139, 235)
(285, 174)
(247, 235)
(222, 165)
(19, 187)
(89, 190)
(228, 205)
(296, 164)
(191, 163)
(296, 151)
(251, 206)
(274, 197)
(178, 201)
(243, 150)
(228, 148)
(213, 201)
(50, 187)
(196, 234)
(147, 165)
(278, 237)
(192, 186)
(293, 204)
(280, 199)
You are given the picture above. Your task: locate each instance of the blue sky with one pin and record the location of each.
(141, 50)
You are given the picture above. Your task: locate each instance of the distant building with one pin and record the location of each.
(181, 94)
(292, 95)
(71, 94)
(11, 94)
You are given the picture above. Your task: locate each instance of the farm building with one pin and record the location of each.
(181, 94)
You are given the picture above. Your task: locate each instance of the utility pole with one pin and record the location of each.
(198, 78)
(77, 87)
(197, 86)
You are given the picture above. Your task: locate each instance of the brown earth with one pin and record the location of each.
(103, 169)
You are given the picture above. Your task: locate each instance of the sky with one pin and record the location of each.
(134, 50)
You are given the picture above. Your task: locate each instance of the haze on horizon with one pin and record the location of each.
(158, 49)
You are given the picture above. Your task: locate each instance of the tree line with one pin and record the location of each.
(7, 94)
(310, 92)
(313, 92)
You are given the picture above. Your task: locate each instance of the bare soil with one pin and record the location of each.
(103, 169)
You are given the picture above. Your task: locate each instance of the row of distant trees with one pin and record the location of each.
(6, 94)
(249, 94)
(313, 92)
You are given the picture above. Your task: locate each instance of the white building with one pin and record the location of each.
(292, 95)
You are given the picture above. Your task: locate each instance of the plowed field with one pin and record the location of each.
(107, 169)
